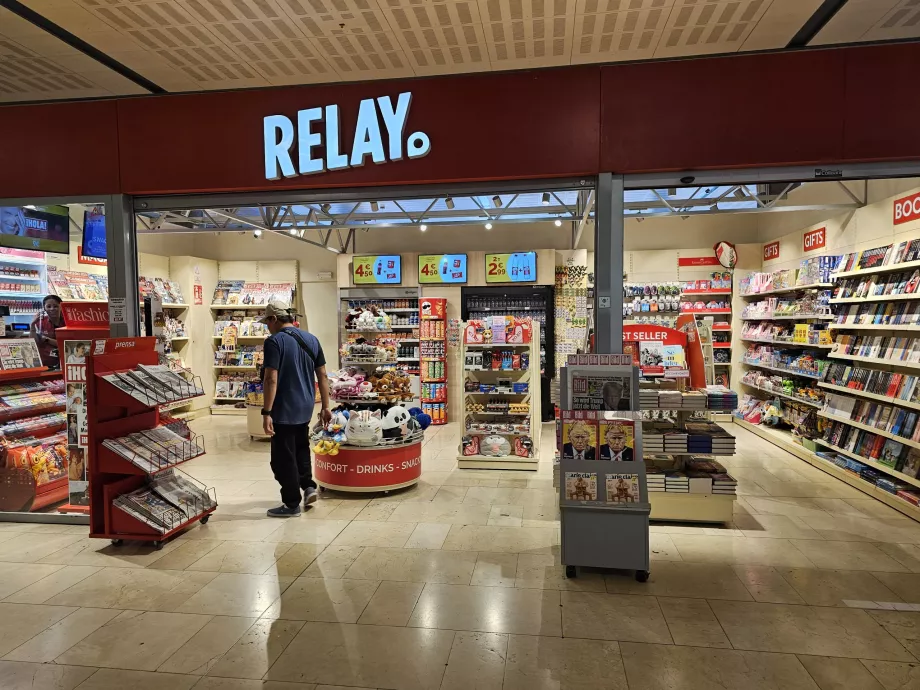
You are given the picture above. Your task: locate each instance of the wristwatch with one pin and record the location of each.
(266, 413)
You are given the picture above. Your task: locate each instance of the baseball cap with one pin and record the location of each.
(276, 308)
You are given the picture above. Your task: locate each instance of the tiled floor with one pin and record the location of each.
(456, 584)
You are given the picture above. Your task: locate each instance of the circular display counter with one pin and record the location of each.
(376, 468)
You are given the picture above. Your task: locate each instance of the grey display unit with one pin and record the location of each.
(598, 533)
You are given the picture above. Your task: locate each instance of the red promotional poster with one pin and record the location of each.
(198, 294)
(907, 208)
(771, 251)
(688, 261)
(814, 239)
(85, 315)
(660, 348)
(434, 308)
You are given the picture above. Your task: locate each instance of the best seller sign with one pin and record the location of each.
(319, 141)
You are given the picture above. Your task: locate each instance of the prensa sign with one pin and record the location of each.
(320, 128)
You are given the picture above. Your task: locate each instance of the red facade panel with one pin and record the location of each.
(481, 127)
(882, 103)
(58, 149)
(743, 110)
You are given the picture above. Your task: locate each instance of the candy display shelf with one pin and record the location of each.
(790, 372)
(786, 441)
(786, 396)
(870, 396)
(789, 290)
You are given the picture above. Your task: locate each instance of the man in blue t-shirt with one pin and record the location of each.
(294, 364)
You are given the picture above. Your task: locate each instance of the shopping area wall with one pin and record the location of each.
(809, 107)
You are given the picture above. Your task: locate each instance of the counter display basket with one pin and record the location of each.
(603, 492)
(374, 441)
(502, 394)
(137, 489)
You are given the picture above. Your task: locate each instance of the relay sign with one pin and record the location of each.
(519, 267)
(376, 270)
(442, 268)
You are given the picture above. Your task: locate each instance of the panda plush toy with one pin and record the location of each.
(395, 422)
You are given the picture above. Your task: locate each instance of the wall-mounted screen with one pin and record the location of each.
(519, 267)
(42, 228)
(94, 235)
(376, 270)
(442, 268)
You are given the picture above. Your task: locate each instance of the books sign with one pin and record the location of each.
(907, 208)
(771, 251)
(814, 239)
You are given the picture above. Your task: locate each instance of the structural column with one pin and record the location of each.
(121, 249)
(608, 264)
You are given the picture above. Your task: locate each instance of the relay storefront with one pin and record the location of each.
(579, 126)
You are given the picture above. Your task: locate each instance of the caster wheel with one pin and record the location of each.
(117, 542)
(322, 489)
(571, 571)
(157, 545)
(205, 519)
(642, 575)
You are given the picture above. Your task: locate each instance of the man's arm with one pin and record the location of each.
(269, 388)
(323, 382)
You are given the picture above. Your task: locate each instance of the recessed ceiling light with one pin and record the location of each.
(449, 203)
(293, 231)
(497, 201)
(423, 227)
(488, 226)
(257, 233)
(557, 223)
(333, 250)
(546, 198)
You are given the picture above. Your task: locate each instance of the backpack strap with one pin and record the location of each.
(295, 334)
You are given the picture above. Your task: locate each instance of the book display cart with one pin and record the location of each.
(433, 344)
(502, 394)
(137, 490)
(603, 495)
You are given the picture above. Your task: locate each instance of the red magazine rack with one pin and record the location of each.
(113, 413)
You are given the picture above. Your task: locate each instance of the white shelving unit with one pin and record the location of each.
(532, 397)
(220, 407)
(41, 279)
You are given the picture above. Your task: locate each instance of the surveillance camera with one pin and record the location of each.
(689, 179)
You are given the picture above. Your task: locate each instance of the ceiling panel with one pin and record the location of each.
(190, 45)
(37, 66)
(872, 20)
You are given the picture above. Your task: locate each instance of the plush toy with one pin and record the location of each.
(771, 414)
(470, 445)
(395, 422)
(344, 386)
(523, 447)
(351, 317)
(495, 446)
(365, 388)
(364, 428)
(336, 427)
(424, 420)
(366, 321)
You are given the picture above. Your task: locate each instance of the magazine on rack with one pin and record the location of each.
(182, 493)
(161, 514)
(134, 452)
(128, 386)
(174, 381)
(146, 382)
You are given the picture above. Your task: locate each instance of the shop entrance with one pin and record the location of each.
(389, 281)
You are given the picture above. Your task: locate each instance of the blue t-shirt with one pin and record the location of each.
(296, 375)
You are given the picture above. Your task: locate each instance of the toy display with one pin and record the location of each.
(372, 318)
(643, 298)
(364, 428)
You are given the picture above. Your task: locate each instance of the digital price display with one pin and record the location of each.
(520, 267)
(442, 268)
(376, 270)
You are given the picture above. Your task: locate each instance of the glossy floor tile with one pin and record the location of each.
(458, 583)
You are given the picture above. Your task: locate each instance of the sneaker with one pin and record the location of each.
(310, 496)
(283, 511)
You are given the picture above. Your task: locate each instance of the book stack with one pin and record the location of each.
(655, 479)
(695, 400)
(879, 313)
(699, 482)
(677, 482)
(723, 484)
(723, 444)
(652, 443)
(889, 255)
(675, 442)
(648, 398)
(670, 399)
(720, 398)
